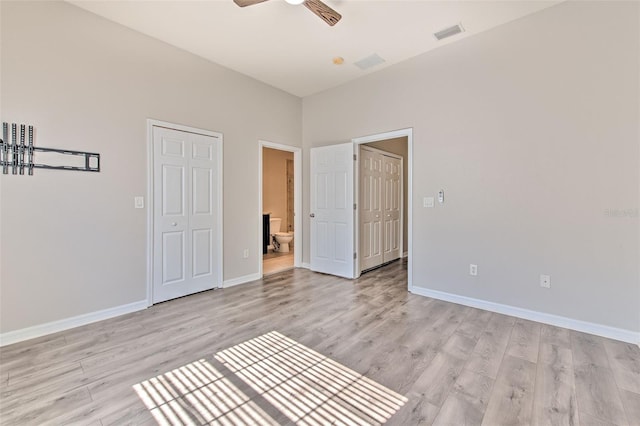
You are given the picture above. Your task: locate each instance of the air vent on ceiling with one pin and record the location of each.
(448, 32)
(369, 62)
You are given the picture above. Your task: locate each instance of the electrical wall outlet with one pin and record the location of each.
(473, 269)
(245, 254)
(545, 281)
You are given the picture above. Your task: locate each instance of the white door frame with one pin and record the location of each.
(151, 123)
(408, 133)
(297, 200)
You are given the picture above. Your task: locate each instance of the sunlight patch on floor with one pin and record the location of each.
(197, 394)
(307, 387)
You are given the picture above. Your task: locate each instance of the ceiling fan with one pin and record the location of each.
(327, 14)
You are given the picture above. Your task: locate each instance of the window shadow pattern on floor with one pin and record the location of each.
(305, 386)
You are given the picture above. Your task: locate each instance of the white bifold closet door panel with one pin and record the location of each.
(370, 209)
(185, 209)
(380, 207)
(392, 208)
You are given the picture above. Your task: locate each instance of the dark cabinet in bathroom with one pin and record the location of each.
(266, 233)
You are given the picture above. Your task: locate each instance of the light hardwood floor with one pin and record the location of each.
(277, 262)
(454, 365)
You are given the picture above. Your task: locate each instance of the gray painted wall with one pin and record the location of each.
(72, 243)
(532, 130)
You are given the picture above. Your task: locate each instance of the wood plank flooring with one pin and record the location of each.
(455, 365)
(277, 262)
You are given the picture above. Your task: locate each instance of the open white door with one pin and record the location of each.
(332, 210)
(186, 209)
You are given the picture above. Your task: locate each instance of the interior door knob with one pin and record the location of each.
(312, 215)
(174, 224)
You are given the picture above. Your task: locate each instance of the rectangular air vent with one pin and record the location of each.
(448, 32)
(369, 62)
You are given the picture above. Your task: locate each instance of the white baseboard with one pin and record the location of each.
(306, 265)
(570, 323)
(241, 280)
(405, 254)
(65, 324)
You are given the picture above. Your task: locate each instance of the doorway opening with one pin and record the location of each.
(381, 203)
(395, 146)
(280, 198)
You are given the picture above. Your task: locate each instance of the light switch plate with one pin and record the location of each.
(428, 202)
(138, 202)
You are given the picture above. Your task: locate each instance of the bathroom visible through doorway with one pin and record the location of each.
(279, 189)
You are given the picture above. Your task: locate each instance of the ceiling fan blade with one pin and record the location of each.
(243, 3)
(327, 14)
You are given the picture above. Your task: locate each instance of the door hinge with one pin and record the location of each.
(355, 255)
(355, 206)
(355, 157)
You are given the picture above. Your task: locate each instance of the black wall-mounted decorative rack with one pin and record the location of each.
(12, 153)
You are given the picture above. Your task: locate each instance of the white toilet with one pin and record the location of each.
(282, 238)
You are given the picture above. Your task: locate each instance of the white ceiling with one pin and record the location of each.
(290, 48)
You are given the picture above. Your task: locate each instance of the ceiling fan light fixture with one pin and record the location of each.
(321, 10)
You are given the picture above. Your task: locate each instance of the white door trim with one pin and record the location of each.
(408, 133)
(297, 200)
(151, 123)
